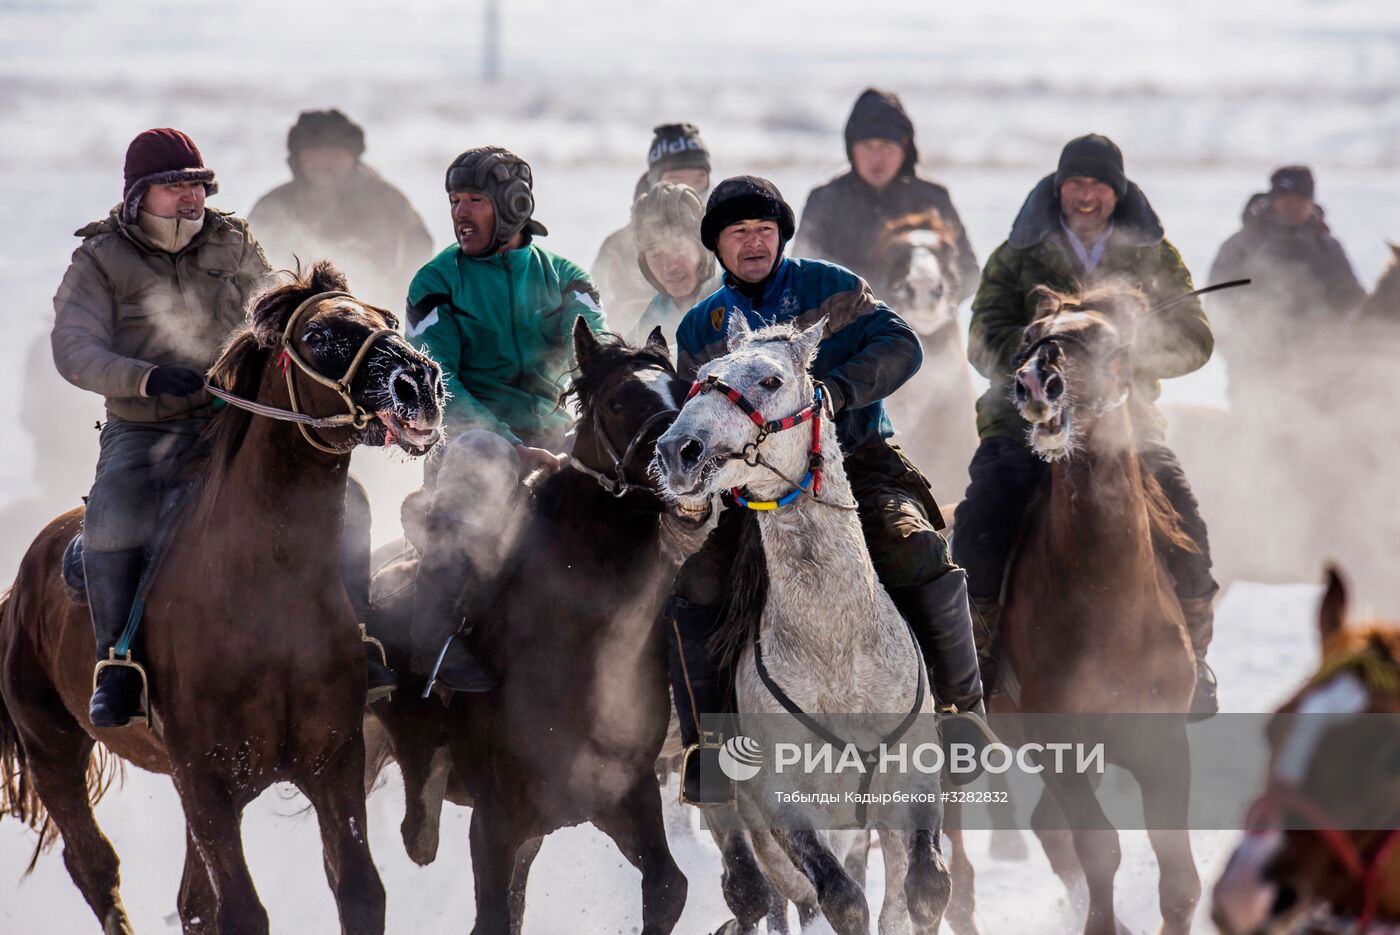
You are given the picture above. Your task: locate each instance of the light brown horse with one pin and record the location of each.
(256, 669)
(917, 274)
(1317, 876)
(1091, 621)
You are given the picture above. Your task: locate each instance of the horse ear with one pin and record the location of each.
(1395, 250)
(586, 345)
(805, 344)
(1332, 615)
(656, 341)
(1047, 301)
(738, 332)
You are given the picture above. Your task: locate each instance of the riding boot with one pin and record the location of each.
(113, 578)
(941, 621)
(986, 635)
(355, 575)
(448, 581)
(1200, 624)
(696, 689)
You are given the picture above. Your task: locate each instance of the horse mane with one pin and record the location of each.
(926, 220)
(239, 367)
(896, 229)
(612, 354)
(1371, 652)
(742, 611)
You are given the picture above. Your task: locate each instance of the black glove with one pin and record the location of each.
(174, 381)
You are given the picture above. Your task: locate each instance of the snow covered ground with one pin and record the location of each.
(1204, 98)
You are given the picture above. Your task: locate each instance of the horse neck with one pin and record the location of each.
(1097, 497)
(819, 568)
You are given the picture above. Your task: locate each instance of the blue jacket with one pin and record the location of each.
(868, 351)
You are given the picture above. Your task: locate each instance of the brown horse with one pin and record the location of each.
(1383, 304)
(256, 669)
(1319, 876)
(1091, 622)
(917, 262)
(573, 732)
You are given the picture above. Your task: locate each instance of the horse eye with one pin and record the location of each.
(615, 407)
(770, 383)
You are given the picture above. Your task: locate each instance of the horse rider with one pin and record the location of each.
(677, 154)
(1302, 283)
(845, 217)
(666, 228)
(497, 311)
(336, 206)
(868, 353)
(148, 300)
(1085, 224)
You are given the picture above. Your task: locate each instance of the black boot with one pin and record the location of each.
(113, 578)
(447, 582)
(941, 621)
(986, 635)
(1200, 624)
(382, 680)
(695, 687)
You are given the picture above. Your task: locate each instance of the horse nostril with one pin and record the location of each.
(690, 452)
(1054, 386)
(1020, 389)
(404, 388)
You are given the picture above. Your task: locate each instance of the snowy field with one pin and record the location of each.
(1204, 98)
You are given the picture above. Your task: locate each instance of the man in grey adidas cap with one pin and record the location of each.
(497, 311)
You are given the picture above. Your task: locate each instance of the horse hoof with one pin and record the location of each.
(927, 889)
(1008, 845)
(843, 904)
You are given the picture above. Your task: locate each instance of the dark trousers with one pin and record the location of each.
(1004, 475)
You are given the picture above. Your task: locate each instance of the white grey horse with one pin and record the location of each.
(830, 636)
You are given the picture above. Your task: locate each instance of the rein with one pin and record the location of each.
(811, 482)
(617, 483)
(355, 415)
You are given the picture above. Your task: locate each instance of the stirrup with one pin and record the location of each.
(709, 741)
(374, 641)
(978, 722)
(126, 662)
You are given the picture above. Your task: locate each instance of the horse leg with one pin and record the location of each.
(894, 911)
(213, 817)
(928, 884)
(495, 842)
(337, 794)
(59, 753)
(1095, 844)
(962, 902)
(520, 876)
(1166, 790)
(748, 893)
(1007, 842)
(638, 830)
(198, 904)
(424, 791)
(1048, 822)
(776, 870)
(857, 856)
(842, 901)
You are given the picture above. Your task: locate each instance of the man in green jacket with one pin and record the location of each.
(497, 312)
(1084, 225)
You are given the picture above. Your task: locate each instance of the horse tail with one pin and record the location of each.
(18, 797)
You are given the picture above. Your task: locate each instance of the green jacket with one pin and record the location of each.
(502, 328)
(1168, 345)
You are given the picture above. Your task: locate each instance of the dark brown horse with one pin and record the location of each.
(917, 261)
(256, 669)
(573, 732)
(1317, 876)
(1091, 621)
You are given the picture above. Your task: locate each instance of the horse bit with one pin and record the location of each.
(356, 415)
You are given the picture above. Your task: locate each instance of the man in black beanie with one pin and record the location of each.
(1084, 225)
(845, 218)
(677, 154)
(866, 353)
(337, 208)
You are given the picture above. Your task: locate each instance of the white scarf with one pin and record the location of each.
(169, 234)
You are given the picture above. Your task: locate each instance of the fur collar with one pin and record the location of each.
(1134, 221)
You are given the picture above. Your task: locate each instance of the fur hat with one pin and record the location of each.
(160, 157)
(506, 179)
(745, 198)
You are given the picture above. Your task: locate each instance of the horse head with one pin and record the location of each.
(1277, 877)
(1075, 366)
(723, 439)
(627, 397)
(339, 362)
(916, 260)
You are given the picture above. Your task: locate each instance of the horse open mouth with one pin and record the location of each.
(407, 435)
(1050, 436)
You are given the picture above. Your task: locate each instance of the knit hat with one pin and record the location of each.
(745, 198)
(160, 157)
(506, 179)
(1292, 180)
(1093, 156)
(665, 212)
(676, 146)
(879, 115)
(324, 128)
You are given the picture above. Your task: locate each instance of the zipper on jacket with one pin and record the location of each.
(514, 323)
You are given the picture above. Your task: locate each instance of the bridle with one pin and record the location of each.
(752, 454)
(1056, 342)
(355, 415)
(617, 483)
